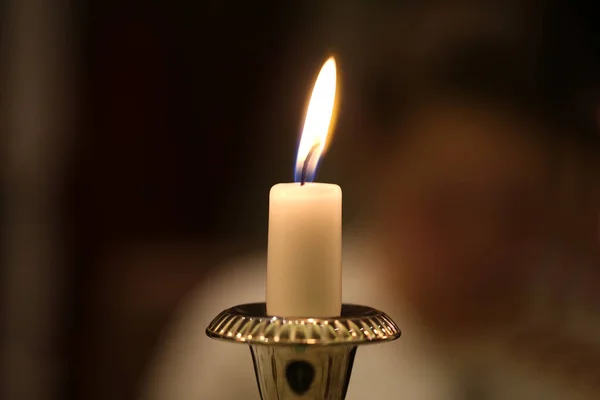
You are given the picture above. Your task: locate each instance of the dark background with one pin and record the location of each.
(187, 113)
(192, 111)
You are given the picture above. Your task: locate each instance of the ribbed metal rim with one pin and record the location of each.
(249, 324)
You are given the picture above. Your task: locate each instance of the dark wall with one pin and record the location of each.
(190, 112)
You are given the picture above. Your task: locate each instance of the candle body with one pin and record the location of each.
(304, 262)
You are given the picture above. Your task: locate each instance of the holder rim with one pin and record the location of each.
(249, 324)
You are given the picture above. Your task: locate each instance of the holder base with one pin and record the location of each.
(303, 358)
(249, 323)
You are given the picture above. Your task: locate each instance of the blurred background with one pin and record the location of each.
(139, 143)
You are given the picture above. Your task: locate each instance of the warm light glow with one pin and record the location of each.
(318, 122)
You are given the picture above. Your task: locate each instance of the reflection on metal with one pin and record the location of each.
(303, 358)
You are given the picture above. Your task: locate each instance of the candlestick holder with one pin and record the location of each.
(303, 358)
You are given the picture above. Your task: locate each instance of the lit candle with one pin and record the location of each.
(304, 267)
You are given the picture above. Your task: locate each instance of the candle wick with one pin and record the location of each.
(305, 165)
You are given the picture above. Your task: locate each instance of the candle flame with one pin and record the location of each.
(318, 123)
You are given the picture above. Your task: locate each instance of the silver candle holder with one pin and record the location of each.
(303, 358)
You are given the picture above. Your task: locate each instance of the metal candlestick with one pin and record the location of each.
(303, 358)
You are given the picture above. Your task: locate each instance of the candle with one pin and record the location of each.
(304, 266)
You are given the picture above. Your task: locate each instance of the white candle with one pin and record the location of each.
(304, 266)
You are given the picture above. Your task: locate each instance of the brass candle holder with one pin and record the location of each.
(303, 358)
